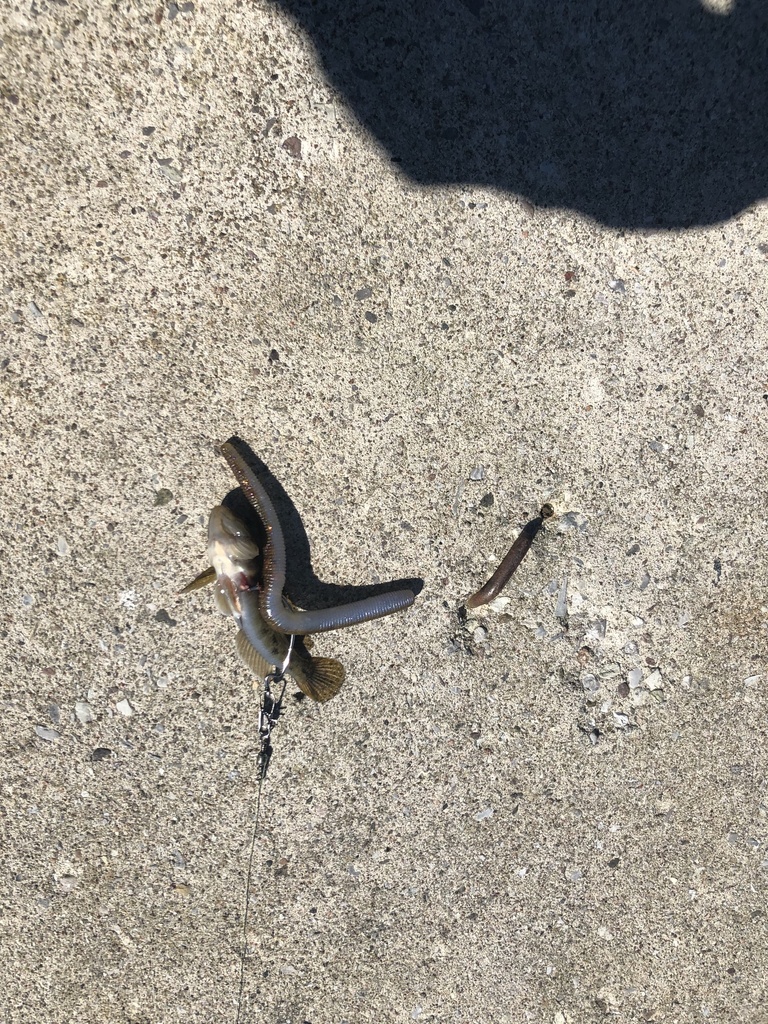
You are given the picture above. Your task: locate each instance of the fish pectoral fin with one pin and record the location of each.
(206, 577)
(251, 657)
(324, 679)
(308, 642)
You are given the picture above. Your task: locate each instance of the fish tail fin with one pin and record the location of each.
(324, 678)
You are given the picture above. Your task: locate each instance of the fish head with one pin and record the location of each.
(233, 554)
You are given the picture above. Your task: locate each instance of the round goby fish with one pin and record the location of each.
(234, 558)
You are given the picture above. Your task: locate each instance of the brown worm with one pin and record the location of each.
(273, 607)
(511, 560)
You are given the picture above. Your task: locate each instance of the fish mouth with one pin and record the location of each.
(227, 597)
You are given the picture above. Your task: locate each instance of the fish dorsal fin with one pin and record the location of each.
(325, 678)
(206, 577)
(251, 657)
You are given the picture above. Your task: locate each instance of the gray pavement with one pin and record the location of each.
(512, 819)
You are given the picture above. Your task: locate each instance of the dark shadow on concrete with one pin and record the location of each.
(639, 113)
(302, 585)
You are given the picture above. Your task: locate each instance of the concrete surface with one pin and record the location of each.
(505, 820)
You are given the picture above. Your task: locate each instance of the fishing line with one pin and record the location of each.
(244, 953)
(269, 712)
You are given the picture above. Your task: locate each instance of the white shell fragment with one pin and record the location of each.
(561, 608)
(50, 735)
(654, 681)
(589, 683)
(84, 712)
(634, 678)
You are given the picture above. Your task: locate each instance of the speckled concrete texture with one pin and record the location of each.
(512, 818)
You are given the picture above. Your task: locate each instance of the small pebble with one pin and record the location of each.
(574, 874)
(571, 521)
(480, 634)
(455, 504)
(589, 683)
(84, 712)
(124, 708)
(62, 548)
(487, 812)
(610, 671)
(101, 754)
(170, 172)
(163, 496)
(654, 681)
(478, 473)
(597, 629)
(50, 735)
(292, 145)
(561, 608)
(634, 677)
(364, 293)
